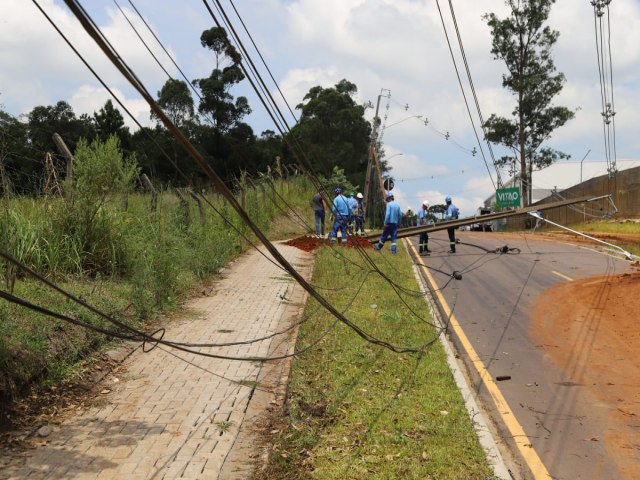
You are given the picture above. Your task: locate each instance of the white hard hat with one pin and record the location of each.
(426, 203)
(359, 195)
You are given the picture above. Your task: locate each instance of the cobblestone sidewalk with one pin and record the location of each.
(181, 415)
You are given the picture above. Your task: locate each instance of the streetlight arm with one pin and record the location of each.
(403, 120)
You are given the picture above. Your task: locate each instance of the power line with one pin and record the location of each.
(605, 78)
(463, 93)
(88, 24)
(475, 96)
(113, 56)
(263, 61)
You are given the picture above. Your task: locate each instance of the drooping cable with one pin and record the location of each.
(110, 52)
(464, 95)
(475, 96)
(263, 61)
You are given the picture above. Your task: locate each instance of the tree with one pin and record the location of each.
(333, 131)
(217, 101)
(18, 166)
(109, 121)
(175, 99)
(524, 43)
(60, 118)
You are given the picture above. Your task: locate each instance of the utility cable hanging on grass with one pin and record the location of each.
(121, 105)
(226, 220)
(627, 255)
(117, 61)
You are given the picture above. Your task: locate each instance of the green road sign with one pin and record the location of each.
(508, 197)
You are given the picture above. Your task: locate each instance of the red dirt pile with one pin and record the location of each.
(308, 243)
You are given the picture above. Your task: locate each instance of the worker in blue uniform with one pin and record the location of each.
(341, 213)
(359, 214)
(452, 213)
(353, 203)
(392, 218)
(423, 220)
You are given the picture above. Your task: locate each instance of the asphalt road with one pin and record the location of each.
(549, 422)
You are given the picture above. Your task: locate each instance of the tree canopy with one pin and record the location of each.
(333, 132)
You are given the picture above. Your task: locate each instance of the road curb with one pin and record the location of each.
(480, 424)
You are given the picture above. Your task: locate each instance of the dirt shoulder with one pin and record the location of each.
(591, 329)
(623, 238)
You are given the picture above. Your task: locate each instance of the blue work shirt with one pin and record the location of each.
(423, 217)
(393, 213)
(353, 203)
(341, 206)
(452, 212)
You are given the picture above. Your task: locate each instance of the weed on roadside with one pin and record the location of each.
(356, 410)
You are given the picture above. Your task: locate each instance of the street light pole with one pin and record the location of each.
(403, 120)
(585, 156)
(394, 155)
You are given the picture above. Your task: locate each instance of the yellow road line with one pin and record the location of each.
(569, 279)
(523, 443)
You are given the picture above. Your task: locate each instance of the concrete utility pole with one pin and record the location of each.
(373, 154)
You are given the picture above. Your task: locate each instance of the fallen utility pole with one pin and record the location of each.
(411, 231)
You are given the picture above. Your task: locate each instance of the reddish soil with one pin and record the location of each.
(308, 244)
(616, 238)
(593, 325)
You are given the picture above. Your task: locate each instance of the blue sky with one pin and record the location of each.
(396, 45)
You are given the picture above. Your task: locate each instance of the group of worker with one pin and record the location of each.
(349, 211)
(392, 218)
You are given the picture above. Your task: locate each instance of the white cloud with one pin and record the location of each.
(38, 67)
(297, 82)
(89, 99)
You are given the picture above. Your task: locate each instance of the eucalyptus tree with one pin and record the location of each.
(333, 131)
(525, 43)
(217, 102)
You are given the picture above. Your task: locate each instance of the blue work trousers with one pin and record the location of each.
(339, 224)
(390, 230)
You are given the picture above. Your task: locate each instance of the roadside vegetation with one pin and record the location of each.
(624, 233)
(102, 242)
(357, 410)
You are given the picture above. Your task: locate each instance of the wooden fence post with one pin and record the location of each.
(154, 195)
(203, 218)
(185, 206)
(64, 150)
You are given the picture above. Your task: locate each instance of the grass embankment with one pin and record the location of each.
(124, 260)
(357, 410)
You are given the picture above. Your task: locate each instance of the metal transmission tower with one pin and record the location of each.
(602, 23)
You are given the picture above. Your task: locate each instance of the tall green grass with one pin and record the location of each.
(115, 254)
